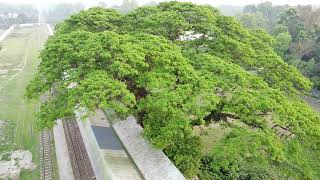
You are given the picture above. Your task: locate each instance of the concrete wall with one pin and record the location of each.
(152, 163)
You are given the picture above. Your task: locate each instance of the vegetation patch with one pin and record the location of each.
(6, 134)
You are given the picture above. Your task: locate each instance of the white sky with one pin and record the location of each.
(212, 2)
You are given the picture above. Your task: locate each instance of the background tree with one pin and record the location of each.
(94, 20)
(301, 22)
(269, 11)
(253, 20)
(127, 6)
(282, 43)
(17, 14)
(292, 21)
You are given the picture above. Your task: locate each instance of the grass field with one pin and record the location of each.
(18, 62)
(209, 135)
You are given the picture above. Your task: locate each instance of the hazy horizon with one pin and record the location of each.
(141, 2)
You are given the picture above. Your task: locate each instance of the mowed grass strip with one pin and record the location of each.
(21, 51)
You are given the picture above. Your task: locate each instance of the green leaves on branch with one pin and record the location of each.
(94, 20)
(100, 90)
(243, 155)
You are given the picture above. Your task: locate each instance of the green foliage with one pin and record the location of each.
(249, 97)
(94, 19)
(244, 155)
(242, 47)
(292, 20)
(100, 90)
(53, 109)
(299, 48)
(256, 155)
(282, 43)
(112, 71)
(175, 106)
(253, 20)
(271, 13)
(127, 6)
(171, 19)
(186, 154)
(282, 40)
(143, 63)
(303, 29)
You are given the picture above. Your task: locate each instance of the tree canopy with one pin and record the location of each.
(177, 66)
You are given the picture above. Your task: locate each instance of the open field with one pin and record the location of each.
(18, 62)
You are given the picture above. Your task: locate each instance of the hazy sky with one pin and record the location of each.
(212, 2)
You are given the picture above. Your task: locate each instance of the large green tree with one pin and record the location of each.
(180, 65)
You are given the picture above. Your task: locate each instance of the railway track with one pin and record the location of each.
(80, 162)
(46, 150)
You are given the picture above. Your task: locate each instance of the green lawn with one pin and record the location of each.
(20, 51)
(209, 135)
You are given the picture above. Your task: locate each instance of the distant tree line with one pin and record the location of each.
(127, 5)
(17, 14)
(53, 14)
(295, 30)
(59, 12)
